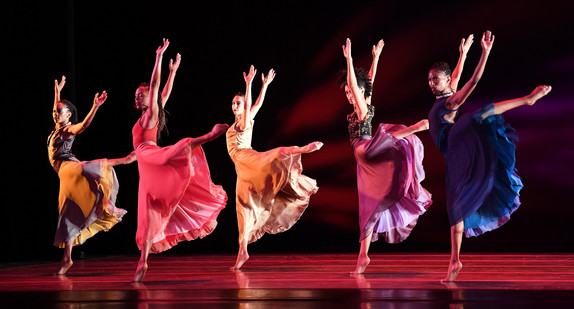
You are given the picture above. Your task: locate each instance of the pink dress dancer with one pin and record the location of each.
(389, 165)
(177, 200)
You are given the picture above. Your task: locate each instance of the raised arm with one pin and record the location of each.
(266, 80)
(57, 89)
(459, 97)
(81, 126)
(377, 49)
(360, 102)
(150, 116)
(246, 118)
(173, 66)
(463, 49)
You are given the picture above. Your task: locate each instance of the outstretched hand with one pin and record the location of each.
(269, 78)
(377, 49)
(60, 85)
(173, 66)
(347, 49)
(162, 49)
(487, 40)
(100, 99)
(465, 44)
(249, 77)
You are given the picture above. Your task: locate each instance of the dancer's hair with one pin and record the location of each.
(162, 119)
(441, 66)
(363, 81)
(72, 108)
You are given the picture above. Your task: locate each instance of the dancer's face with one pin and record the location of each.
(61, 114)
(238, 104)
(142, 98)
(439, 82)
(350, 96)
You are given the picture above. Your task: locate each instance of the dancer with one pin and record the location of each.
(88, 189)
(177, 200)
(271, 192)
(389, 165)
(481, 184)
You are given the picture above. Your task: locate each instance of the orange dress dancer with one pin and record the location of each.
(271, 191)
(88, 189)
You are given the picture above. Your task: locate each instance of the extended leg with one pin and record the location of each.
(314, 146)
(417, 127)
(530, 99)
(125, 160)
(217, 131)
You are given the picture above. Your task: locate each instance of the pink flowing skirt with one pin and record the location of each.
(389, 173)
(177, 200)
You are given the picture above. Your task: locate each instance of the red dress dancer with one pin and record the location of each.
(177, 200)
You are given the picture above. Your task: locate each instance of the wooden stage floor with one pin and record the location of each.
(295, 281)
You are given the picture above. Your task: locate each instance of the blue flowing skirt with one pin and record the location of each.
(482, 184)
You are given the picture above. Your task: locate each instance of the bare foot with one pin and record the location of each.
(130, 158)
(314, 146)
(421, 125)
(453, 270)
(538, 93)
(215, 132)
(241, 259)
(362, 263)
(140, 272)
(219, 129)
(64, 267)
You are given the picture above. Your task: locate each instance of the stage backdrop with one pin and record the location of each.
(110, 45)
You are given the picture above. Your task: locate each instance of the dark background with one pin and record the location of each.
(110, 45)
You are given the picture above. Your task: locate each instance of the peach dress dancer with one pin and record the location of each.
(177, 200)
(271, 192)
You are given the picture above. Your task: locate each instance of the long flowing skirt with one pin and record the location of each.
(177, 200)
(389, 176)
(87, 200)
(482, 184)
(271, 192)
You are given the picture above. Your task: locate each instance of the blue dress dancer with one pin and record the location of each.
(482, 187)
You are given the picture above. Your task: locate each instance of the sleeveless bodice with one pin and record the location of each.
(438, 126)
(60, 149)
(239, 139)
(358, 129)
(141, 135)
